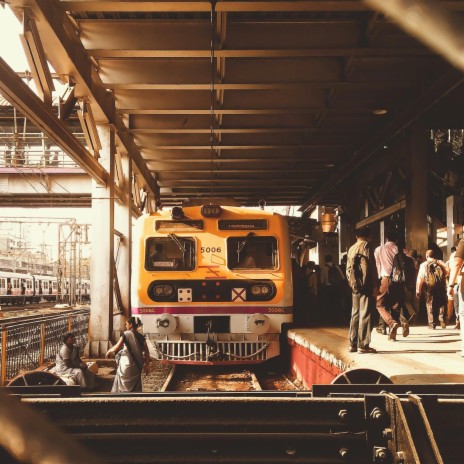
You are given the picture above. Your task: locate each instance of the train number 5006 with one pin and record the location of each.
(210, 249)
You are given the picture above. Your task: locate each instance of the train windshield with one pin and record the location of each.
(252, 252)
(170, 253)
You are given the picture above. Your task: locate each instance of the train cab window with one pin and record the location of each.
(252, 252)
(171, 253)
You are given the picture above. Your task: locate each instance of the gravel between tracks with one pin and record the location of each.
(155, 380)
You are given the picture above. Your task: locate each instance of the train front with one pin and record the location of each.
(212, 285)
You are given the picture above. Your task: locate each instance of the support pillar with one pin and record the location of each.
(345, 236)
(101, 271)
(416, 202)
(454, 220)
(123, 223)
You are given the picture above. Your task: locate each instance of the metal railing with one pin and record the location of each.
(25, 346)
(35, 157)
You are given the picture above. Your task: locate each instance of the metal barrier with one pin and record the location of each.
(373, 428)
(25, 346)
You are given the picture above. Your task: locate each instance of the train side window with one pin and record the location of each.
(250, 252)
(171, 253)
(2, 283)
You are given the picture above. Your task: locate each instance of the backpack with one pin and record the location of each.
(334, 275)
(357, 273)
(403, 270)
(434, 276)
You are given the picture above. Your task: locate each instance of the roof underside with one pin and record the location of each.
(297, 89)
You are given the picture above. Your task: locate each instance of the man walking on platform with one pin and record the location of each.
(387, 302)
(456, 273)
(362, 278)
(432, 278)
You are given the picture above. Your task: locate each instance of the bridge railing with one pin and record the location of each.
(25, 346)
(30, 158)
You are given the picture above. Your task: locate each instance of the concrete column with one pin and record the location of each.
(416, 200)
(101, 271)
(454, 220)
(123, 223)
(345, 236)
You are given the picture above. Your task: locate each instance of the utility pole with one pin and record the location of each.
(71, 239)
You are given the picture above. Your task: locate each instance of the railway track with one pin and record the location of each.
(227, 379)
(33, 316)
(32, 312)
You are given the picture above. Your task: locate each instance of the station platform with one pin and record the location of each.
(318, 355)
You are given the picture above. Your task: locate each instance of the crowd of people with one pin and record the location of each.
(398, 283)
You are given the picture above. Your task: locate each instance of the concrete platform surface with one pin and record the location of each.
(425, 356)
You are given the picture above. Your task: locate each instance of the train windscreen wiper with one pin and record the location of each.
(178, 243)
(242, 245)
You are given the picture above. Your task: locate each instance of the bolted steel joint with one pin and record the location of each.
(377, 414)
(344, 453)
(388, 433)
(380, 454)
(343, 415)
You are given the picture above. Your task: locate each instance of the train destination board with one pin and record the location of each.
(180, 225)
(242, 224)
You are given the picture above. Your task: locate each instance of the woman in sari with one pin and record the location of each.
(132, 356)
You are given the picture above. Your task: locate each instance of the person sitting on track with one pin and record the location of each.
(69, 364)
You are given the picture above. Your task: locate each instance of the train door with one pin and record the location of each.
(2, 286)
(15, 286)
(29, 287)
(22, 287)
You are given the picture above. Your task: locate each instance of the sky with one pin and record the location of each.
(32, 227)
(10, 49)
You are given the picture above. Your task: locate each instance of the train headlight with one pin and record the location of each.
(265, 290)
(260, 289)
(210, 211)
(256, 290)
(163, 290)
(258, 324)
(165, 323)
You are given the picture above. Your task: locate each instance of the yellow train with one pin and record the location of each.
(212, 284)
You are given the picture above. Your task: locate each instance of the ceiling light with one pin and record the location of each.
(380, 111)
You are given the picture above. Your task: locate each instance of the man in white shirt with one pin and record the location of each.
(387, 303)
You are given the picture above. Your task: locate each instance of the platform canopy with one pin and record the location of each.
(304, 91)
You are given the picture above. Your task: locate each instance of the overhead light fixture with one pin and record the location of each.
(328, 220)
(380, 111)
(89, 127)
